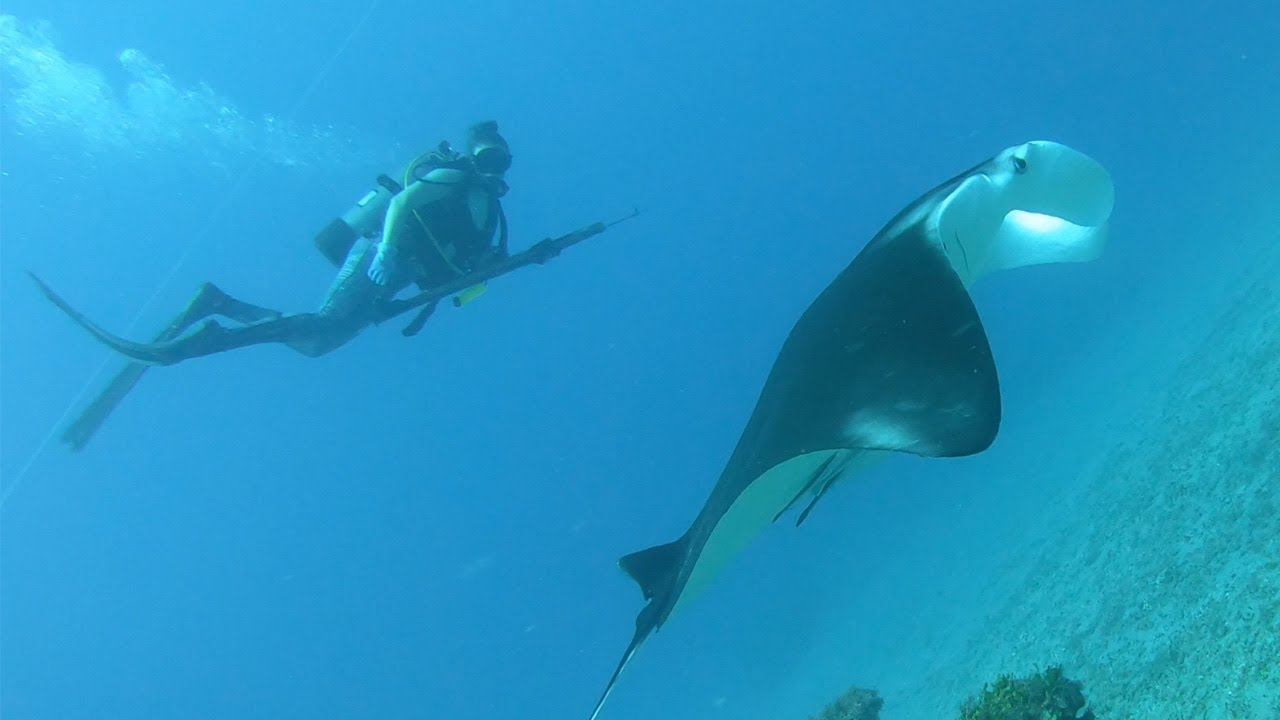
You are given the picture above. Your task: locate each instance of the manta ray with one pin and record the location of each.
(890, 357)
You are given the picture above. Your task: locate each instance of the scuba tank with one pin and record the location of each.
(364, 219)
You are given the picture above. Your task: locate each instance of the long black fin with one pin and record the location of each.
(139, 352)
(650, 567)
(814, 479)
(817, 496)
(208, 339)
(78, 433)
(833, 475)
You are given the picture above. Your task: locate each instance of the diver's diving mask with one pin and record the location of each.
(491, 159)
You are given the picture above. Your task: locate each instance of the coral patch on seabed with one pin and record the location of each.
(1047, 695)
(856, 704)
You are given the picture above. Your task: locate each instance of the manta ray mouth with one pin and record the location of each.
(1064, 184)
(1038, 223)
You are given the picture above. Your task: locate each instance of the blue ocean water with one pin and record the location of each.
(429, 527)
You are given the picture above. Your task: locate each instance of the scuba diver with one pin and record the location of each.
(441, 228)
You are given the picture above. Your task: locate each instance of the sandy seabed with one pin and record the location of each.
(1161, 593)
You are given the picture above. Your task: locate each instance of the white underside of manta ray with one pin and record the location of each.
(891, 357)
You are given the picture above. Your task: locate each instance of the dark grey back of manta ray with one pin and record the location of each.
(891, 356)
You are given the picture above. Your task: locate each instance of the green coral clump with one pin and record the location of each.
(855, 704)
(1047, 695)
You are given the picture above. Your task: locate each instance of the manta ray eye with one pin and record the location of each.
(1019, 165)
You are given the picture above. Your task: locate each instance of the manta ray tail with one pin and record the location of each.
(649, 568)
(613, 679)
(645, 624)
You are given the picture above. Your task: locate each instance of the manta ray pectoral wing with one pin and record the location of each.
(922, 379)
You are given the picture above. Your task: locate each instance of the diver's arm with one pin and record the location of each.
(435, 185)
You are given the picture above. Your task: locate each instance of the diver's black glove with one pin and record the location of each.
(542, 251)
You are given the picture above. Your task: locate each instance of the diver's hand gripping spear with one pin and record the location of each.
(538, 254)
